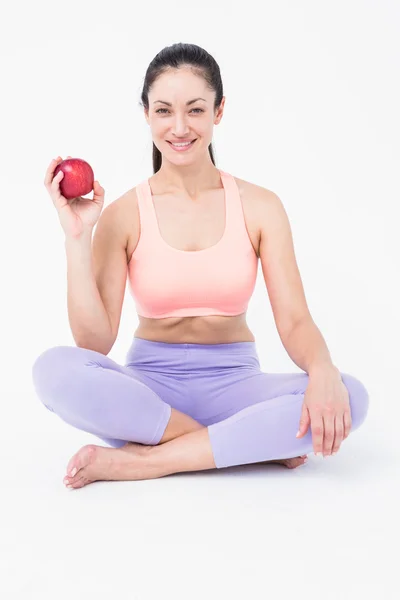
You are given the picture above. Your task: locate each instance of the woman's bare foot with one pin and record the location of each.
(290, 463)
(97, 463)
(129, 463)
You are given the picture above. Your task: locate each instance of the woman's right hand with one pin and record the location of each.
(78, 214)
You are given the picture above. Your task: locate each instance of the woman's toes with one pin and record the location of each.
(73, 466)
(71, 481)
(80, 482)
(297, 461)
(82, 458)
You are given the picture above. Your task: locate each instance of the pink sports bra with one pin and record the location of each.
(167, 282)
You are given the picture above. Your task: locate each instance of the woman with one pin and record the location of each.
(191, 395)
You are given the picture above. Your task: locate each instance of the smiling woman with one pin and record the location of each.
(170, 76)
(182, 146)
(191, 394)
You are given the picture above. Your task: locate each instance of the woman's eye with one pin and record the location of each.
(162, 109)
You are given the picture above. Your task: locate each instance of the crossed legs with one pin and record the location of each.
(151, 438)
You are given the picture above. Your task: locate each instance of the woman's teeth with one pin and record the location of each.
(182, 147)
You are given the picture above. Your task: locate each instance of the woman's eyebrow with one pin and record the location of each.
(187, 103)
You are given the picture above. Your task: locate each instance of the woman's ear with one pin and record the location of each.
(220, 111)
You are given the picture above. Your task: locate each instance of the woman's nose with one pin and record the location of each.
(180, 127)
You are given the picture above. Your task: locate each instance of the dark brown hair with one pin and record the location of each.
(174, 57)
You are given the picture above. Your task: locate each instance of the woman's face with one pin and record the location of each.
(179, 121)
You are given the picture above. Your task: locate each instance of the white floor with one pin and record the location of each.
(328, 530)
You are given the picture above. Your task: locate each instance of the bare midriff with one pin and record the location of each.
(195, 330)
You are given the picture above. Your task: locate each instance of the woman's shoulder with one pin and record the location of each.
(124, 206)
(253, 194)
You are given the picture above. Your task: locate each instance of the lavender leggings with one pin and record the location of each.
(252, 416)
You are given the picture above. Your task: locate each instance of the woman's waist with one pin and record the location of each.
(210, 329)
(172, 355)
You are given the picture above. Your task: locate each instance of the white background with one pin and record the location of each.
(312, 97)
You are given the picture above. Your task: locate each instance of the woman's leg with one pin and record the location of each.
(253, 416)
(266, 428)
(94, 393)
(248, 416)
(260, 432)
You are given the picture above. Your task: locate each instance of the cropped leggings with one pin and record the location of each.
(252, 416)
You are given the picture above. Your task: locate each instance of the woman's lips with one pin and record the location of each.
(182, 148)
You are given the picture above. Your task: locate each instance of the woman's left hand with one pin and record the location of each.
(326, 408)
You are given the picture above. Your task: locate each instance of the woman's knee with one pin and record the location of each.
(55, 359)
(56, 365)
(359, 399)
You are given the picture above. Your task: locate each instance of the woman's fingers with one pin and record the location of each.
(329, 430)
(56, 180)
(347, 423)
(50, 171)
(317, 429)
(98, 193)
(334, 428)
(339, 431)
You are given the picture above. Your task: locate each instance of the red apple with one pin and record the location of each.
(78, 177)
